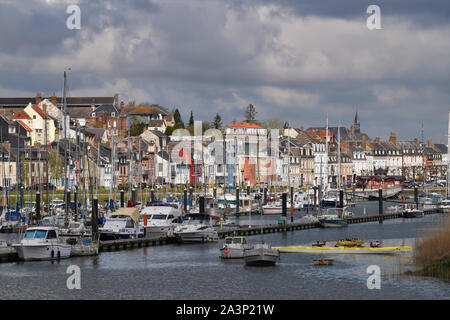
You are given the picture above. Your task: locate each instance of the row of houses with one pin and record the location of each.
(92, 135)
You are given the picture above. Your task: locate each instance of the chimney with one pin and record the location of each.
(363, 142)
(92, 107)
(344, 146)
(301, 128)
(393, 138)
(377, 140)
(416, 141)
(430, 143)
(53, 99)
(38, 98)
(122, 109)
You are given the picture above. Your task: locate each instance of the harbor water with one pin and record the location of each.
(182, 271)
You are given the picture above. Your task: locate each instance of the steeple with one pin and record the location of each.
(356, 124)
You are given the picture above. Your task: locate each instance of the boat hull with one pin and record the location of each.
(272, 210)
(42, 251)
(343, 250)
(160, 231)
(193, 237)
(232, 253)
(412, 214)
(261, 257)
(333, 223)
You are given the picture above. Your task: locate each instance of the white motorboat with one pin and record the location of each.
(234, 247)
(261, 254)
(123, 223)
(160, 219)
(445, 206)
(5, 248)
(334, 218)
(42, 243)
(412, 212)
(196, 228)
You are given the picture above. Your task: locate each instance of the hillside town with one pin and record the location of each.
(114, 145)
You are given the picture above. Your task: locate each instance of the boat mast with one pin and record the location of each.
(46, 151)
(326, 152)
(448, 156)
(339, 157)
(65, 149)
(112, 174)
(423, 162)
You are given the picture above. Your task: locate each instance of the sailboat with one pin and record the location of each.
(261, 254)
(445, 204)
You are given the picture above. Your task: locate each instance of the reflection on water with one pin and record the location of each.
(196, 272)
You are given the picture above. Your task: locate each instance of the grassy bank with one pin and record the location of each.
(432, 253)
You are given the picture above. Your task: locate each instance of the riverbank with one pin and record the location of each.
(432, 254)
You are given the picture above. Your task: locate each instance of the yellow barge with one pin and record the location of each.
(342, 249)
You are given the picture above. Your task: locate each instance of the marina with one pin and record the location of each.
(177, 271)
(223, 153)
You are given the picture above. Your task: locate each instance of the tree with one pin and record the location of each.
(25, 170)
(136, 126)
(177, 118)
(250, 113)
(171, 129)
(217, 122)
(191, 120)
(55, 165)
(274, 124)
(205, 126)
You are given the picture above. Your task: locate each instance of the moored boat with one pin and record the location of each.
(412, 212)
(323, 262)
(340, 250)
(196, 228)
(234, 247)
(261, 255)
(42, 243)
(334, 218)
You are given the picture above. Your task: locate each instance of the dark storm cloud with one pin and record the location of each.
(296, 60)
(422, 12)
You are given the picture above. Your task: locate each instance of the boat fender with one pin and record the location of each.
(59, 254)
(52, 254)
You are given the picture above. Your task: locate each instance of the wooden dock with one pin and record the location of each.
(126, 244)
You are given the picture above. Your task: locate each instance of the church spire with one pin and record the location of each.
(356, 124)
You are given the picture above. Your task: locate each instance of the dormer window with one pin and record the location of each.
(93, 114)
(113, 114)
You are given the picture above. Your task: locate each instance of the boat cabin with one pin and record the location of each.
(40, 233)
(235, 240)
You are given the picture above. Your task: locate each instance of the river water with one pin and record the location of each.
(195, 271)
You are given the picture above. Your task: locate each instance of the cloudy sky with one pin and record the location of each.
(293, 60)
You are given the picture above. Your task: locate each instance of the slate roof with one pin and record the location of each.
(108, 109)
(156, 123)
(145, 110)
(79, 112)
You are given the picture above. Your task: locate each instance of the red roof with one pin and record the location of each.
(243, 124)
(20, 115)
(39, 111)
(25, 126)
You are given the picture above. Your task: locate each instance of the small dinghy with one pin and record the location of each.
(323, 262)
